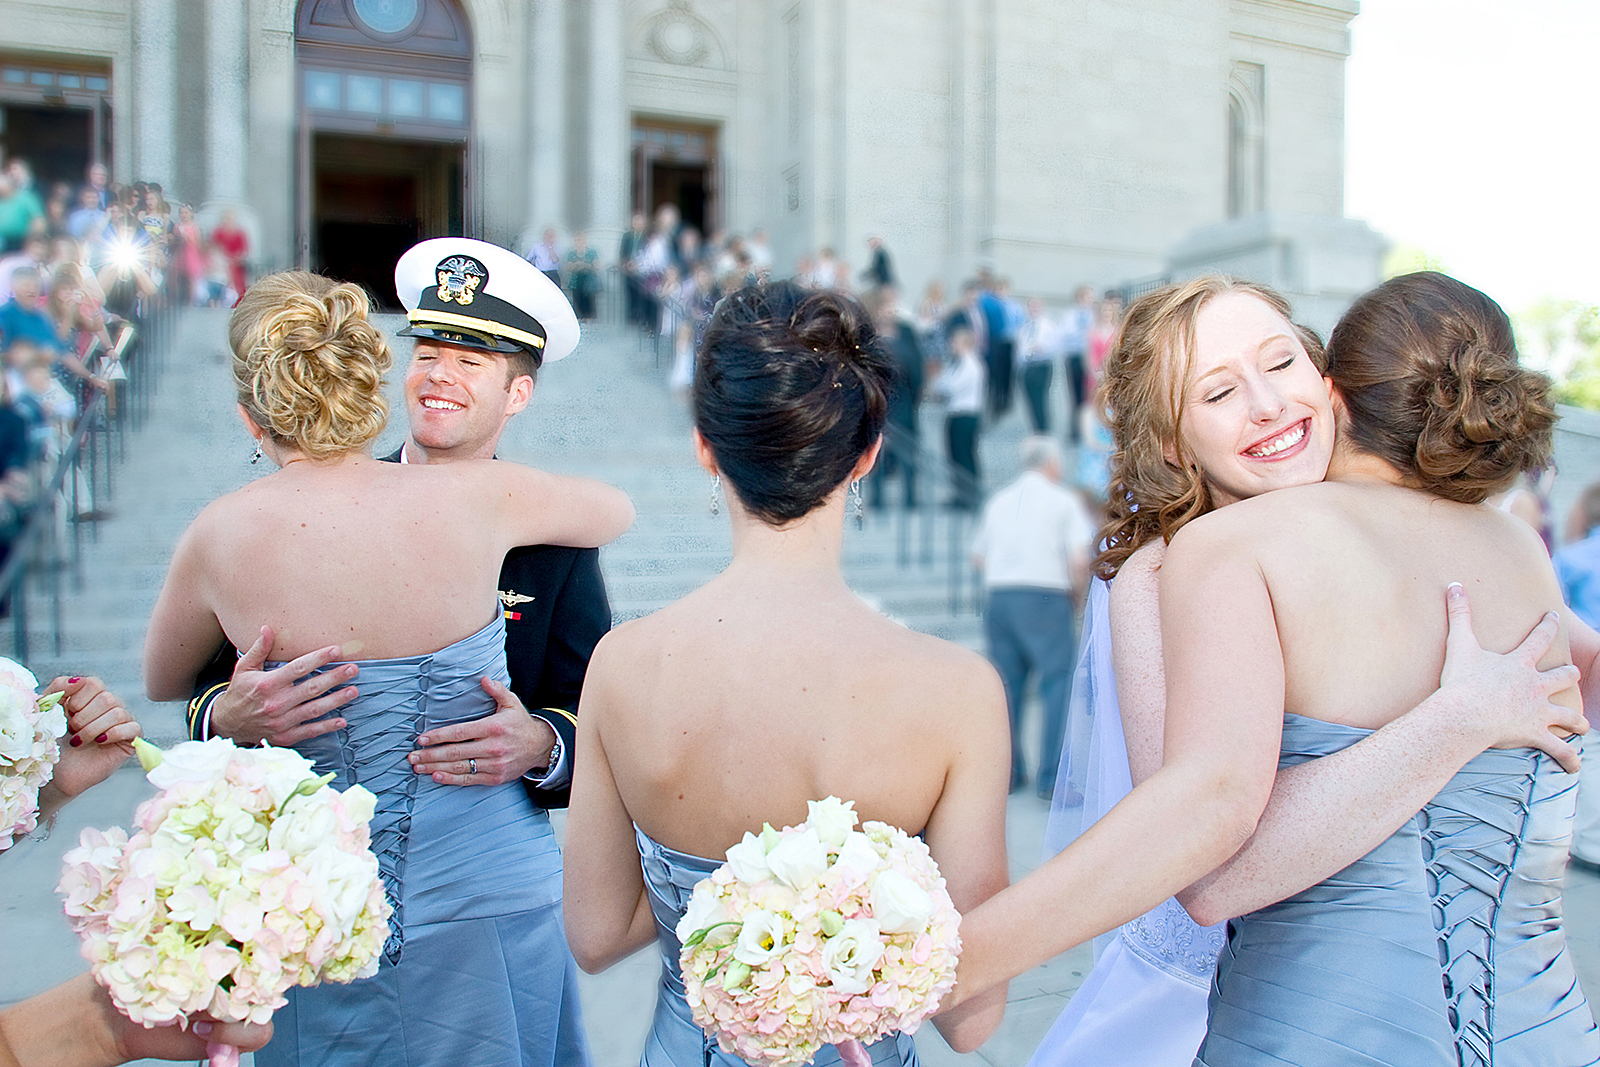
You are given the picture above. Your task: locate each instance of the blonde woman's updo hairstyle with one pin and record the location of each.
(791, 387)
(308, 365)
(1142, 395)
(1427, 370)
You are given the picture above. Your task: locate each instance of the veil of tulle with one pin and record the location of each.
(1094, 773)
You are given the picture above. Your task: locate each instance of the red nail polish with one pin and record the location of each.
(100, 740)
(74, 679)
(76, 740)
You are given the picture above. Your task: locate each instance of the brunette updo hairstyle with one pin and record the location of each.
(790, 388)
(1142, 393)
(1427, 370)
(307, 363)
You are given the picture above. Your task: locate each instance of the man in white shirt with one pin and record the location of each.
(1033, 547)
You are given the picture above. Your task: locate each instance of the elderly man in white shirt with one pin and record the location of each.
(1033, 547)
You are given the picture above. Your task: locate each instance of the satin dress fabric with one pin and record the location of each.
(476, 971)
(1443, 945)
(1144, 1004)
(676, 1040)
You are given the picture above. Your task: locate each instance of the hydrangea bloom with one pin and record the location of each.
(29, 727)
(244, 876)
(818, 934)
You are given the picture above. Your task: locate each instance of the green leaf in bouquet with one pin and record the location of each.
(700, 935)
(50, 700)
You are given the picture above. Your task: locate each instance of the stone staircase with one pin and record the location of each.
(605, 412)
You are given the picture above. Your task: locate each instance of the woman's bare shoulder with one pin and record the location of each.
(932, 673)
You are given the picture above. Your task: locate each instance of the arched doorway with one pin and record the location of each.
(385, 90)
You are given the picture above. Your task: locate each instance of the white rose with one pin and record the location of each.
(705, 910)
(192, 761)
(831, 818)
(900, 905)
(341, 882)
(53, 722)
(285, 769)
(760, 938)
(359, 803)
(857, 858)
(16, 735)
(15, 674)
(306, 824)
(798, 859)
(749, 860)
(851, 954)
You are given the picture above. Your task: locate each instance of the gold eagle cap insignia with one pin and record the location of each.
(512, 599)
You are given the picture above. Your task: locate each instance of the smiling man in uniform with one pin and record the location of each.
(484, 321)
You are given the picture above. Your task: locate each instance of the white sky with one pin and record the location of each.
(1473, 132)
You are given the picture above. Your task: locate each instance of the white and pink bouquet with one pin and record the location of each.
(818, 934)
(29, 727)
(246, 875)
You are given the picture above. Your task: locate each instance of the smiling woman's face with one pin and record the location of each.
(1257, 414)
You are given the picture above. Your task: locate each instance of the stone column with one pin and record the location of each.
(154, 91)
(608, 123)
(546, 166)
(227, 110)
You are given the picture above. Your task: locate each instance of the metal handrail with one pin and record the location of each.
(98, 442)
(41, 517)
(909, 450)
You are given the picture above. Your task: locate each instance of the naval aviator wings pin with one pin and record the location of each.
(511, 600)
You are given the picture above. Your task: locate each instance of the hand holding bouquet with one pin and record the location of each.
(246, 875)
(818, 934)
(29, 727)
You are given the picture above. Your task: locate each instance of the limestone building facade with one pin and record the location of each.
(1059, 141)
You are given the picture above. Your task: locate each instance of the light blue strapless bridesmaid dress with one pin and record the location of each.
(676, 1040)
(476, 970)
(1442, 946)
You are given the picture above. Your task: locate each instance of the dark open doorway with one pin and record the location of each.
(56, 141)
(374, 198)
(676, 164)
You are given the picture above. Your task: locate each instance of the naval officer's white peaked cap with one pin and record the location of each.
(477, 295)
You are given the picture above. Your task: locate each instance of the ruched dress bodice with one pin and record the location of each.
(1443, 945)
(675, 1039)
(475, 968)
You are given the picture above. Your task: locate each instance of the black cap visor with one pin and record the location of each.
(461, 338)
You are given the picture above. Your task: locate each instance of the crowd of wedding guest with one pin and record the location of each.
(81, 270)
(981, 353)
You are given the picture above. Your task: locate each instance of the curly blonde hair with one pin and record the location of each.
(308, 365)
(1142, 394)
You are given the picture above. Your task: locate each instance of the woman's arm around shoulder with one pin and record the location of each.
(966, 830)
(1327, 813)
(604, 903)
(184, 633)
(540, 508)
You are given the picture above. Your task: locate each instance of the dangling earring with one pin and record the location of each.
(255, 457)
(716, 491)
(855, 504)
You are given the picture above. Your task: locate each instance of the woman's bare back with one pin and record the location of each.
(742, 701)
(1355, 575)
(382, 559)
